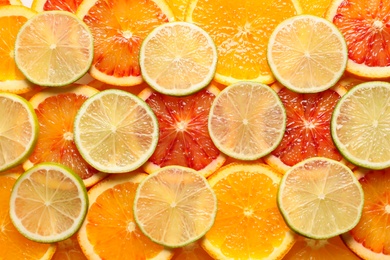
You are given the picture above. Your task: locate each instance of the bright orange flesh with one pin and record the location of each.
(69, 249)
(192, 251)
(68, 5)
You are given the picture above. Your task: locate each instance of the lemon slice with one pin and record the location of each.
(48, 203)
(115, 131)
(178, 58)
(18, 130)
(54, 48)
(320, 198)
(307, 54)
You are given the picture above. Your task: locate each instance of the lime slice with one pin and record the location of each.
(48, 203)
(247, 120)
(175, 206)
(54, 48)
(320, 198)
(307, 54)
(178, 58)
(18, 130)
(360, 125)
(115, 131)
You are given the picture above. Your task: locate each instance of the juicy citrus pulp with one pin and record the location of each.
(175, 206)
(50, 5)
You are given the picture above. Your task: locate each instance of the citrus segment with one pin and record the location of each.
(360, 123)
(48, 203)
(15, 245)
(10, 2)
(178, 58)
(320, 198)
(50, 5)
(175, 206)
(247, 120)
(118, 28)
(69, 249)
(179, 8)
(115, 131)
(247, 215)
(307, 54)
(109, 230)
(314, 7)
(241, 32)
(192, 251)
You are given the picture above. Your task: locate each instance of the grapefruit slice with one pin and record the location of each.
(47, 5)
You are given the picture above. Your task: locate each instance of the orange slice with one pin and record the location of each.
(48, 5)
(241, 32)
(118, 28)
(247, 215)
(69, 249)
(314, 7)
(109, 230)
(193, 251)
(179, 8)
(184, 139)
(56, 109)
(12, 17)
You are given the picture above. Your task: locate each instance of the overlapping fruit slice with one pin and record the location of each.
(65, 5)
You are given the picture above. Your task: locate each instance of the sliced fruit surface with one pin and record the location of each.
(360, 123)
(247, 120)
(247, 215)
(115, 131)
(314, 7)
(109, 230)
(19, 130)
(14, 244)
(178, 58)
(307, 53)
(69, 249)
(118, 29)
(241, 32)
(50, 5)
(12, 19)
(184, 138)
(56, 42)
(193, 251)
(179, 8)
(48, 203)
(10, 2)
(320, 198)
(56, 109)
(370, 238)
(364, 26)
(175, 206)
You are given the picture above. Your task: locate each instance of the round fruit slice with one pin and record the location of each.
(360, 124)
(50, 5)
(48, 203)
(69, 249)
(364, 24)
(178, 59)
(248, 223)
(241, 33)
(109, 229)
(13, 244)
(370, 238)
(115, 131)
(118, 28)
(320, 198)
(184, 138)
(56, 109)
(192, 251)
(175, 206)
(11, 20)
(10, 2)
(56, 42)
(307, 54)
(18, 130)
(247, 120)
(179, 8)
(314, 7)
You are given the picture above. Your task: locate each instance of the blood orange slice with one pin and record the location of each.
(47, 5)
(184, 138)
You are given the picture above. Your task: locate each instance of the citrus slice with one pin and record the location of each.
(184, 139)
(248, 224)
(13, 244)
(50, 5)
(307, 54)
(363, 23)
(307, 128)
(360, 123)
(320, 198)
(178, 59)
(18, 130)
(115, 131)
(175, 206)
(247, 120)
(48, 203)
(56, 42)
(10, 2)
(109, 230)
(179, 8)
(56, 109)
(370, 238)
(241, 32)
(314, 7)
(12, 19)
(69, 249)
(192, 251)
(118, 28)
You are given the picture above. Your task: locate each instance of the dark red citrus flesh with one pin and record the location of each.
(65, 5)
